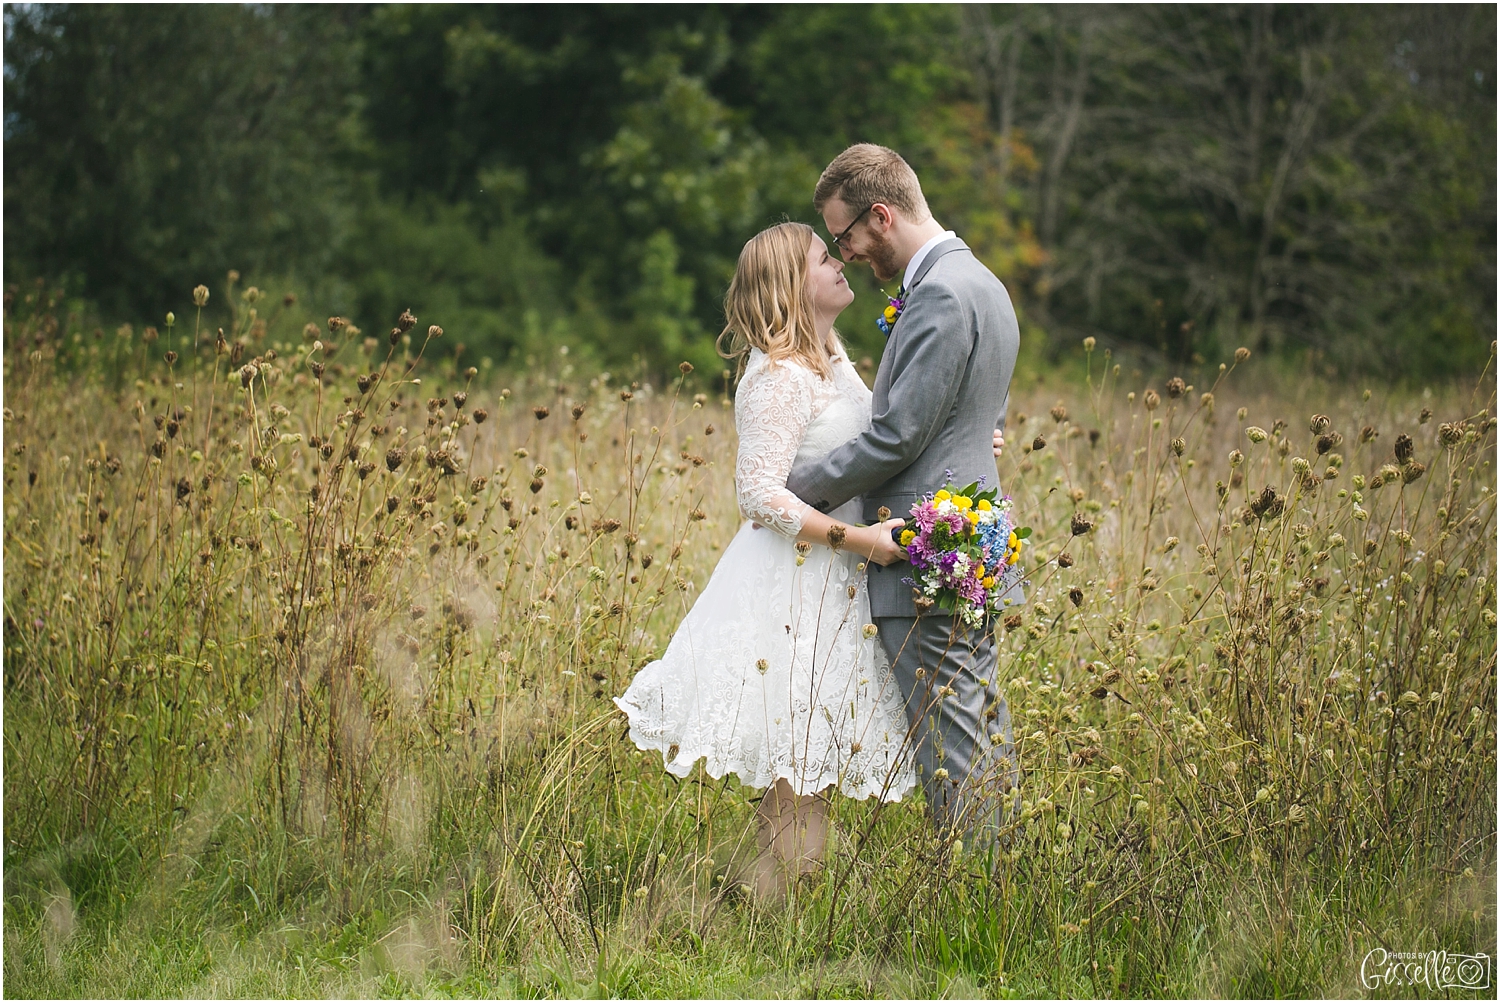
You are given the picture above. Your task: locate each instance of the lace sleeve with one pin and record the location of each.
(771, 411)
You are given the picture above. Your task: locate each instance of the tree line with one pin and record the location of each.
(1176, 179)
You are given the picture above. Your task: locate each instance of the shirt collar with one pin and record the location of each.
(916, 259)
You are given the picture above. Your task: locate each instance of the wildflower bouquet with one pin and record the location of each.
(965, 548)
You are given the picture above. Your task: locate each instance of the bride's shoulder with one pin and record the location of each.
(761, 368)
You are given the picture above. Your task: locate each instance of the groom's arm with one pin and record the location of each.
(932, 343)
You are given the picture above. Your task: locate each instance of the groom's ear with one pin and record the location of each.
(884, 214)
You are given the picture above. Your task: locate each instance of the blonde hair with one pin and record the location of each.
(769, 305)
(865, 174)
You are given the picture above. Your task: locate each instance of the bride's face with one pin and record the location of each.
(825, 279)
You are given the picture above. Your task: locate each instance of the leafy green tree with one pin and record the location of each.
(150, 148)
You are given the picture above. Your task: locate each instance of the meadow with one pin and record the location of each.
(310, 635)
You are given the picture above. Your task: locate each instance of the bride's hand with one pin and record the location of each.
(882, 549)
(999, 441)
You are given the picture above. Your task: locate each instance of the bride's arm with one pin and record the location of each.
(772, 409)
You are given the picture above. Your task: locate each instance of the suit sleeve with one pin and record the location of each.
(931, 345)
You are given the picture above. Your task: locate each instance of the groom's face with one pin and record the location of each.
(867, 240)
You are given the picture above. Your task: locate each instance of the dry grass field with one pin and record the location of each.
(310, 639)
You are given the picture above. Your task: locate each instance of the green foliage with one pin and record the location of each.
(151, 148)
(1316, 181)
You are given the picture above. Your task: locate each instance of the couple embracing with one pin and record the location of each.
(808, 664)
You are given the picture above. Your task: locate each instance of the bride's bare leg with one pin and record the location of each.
(792, 833)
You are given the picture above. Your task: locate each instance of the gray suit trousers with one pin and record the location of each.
(959, 722)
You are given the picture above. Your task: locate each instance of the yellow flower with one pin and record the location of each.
(964, 503)
(979, 571)
(1013, 541)
(973, 518)
(984, 505)
(941, 496)
(989, 582)
(907, 536)
(890, 314)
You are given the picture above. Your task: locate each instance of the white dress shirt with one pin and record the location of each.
(917, 259)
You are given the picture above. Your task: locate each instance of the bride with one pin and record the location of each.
(776, 674)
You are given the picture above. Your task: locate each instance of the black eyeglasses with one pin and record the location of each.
(839, 240)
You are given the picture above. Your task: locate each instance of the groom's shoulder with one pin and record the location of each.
(962, 274)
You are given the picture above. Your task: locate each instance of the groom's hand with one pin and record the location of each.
(999, 442)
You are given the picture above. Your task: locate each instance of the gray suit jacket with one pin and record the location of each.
(942, 388)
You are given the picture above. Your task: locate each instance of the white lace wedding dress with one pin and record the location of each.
(771, 674)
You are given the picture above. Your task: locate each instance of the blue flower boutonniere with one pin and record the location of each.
(887, 320)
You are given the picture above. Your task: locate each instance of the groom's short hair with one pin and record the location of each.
(865, 174)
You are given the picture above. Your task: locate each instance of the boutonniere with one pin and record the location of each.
(892, 313)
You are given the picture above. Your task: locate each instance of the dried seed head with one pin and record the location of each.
(1412, 471)
(365, 470)
(626, 395)
(685, 367)
(836, 536)
(1241, 354)
(1425, 416)
(171, 357)
(1014, 621)
(432, 332)
(1319, 424)
(882, 513)
(1179, 445)
(1256, 434)
(1059, 412)
(406, 321)
(540, 412)
(1368, 434)
(1038, 443)
(1075, 596)
(1452, 434)
(1176, 387)
(1080, 525)
(577, 411)
(200, 296)
(1267, 505)
(480, 414)
(394, 457)
(1089, 343)
(460, 399)
(1151, 400)
(1064, 560)
(1404, 448)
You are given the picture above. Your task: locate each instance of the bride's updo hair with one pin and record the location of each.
(769, 306)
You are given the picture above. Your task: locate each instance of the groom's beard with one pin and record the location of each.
(883, 260)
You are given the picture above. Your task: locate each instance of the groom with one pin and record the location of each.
(942, 386)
